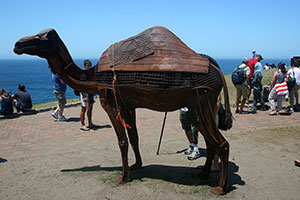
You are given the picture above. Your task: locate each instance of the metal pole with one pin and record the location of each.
(161, 134)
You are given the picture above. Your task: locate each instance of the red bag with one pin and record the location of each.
(281, 88)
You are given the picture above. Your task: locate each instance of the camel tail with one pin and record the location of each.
(225, 118)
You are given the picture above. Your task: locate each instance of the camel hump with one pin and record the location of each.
(155, 49)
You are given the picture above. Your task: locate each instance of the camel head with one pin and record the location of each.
(43, 44)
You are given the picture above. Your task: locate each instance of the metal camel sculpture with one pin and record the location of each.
(153, 70)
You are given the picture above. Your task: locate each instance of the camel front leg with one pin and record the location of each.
(130, 118)
(122, 139)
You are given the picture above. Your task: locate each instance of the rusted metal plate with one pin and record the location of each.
(129, 50)
(155, 50)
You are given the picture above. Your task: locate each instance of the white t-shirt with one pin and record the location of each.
(297, 74)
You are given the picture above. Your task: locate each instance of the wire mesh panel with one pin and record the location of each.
(163, 80)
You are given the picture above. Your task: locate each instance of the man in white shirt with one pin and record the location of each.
(242, 89)
(294, 72)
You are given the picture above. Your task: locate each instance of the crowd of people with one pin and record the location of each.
(247, 77)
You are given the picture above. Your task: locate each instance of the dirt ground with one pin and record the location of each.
(43, 159)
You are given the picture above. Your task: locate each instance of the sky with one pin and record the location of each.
(219, 28)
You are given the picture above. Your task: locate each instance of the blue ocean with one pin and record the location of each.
(36, 76)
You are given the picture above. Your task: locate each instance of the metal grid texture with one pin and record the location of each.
(129, 50)
(162, 80)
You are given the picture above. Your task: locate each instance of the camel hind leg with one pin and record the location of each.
(204, 118)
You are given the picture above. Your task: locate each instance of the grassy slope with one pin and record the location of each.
(51, 104)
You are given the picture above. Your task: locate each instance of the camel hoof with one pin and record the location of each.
(136, 166)
(217, 190)
(203, 175)
(122, 180)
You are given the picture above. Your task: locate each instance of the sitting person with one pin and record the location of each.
(22, 99)
(6, 103)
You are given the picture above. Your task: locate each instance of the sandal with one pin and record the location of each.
(243, 112)
(274, 112)
(91, 126)
(297, 163)
(84, 128)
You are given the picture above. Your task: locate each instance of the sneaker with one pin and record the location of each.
(189, 151)
(62, 119)
(55, 115)
(290, 110)
(194, 155)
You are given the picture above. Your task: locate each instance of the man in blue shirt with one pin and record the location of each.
(60, 92)
(256, 84)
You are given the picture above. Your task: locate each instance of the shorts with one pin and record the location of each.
(91, 98)
(185, 120)
(186, 124)
(61, 97)
(83, 103)
(241, 90)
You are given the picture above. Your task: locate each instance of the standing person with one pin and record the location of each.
(6, 103)
(22, 99)
(278, 77)
(294, 72)
(60, 92)
(84, 105)
(91, 101)
(251, 64)
(257, 86)
(191, 133)
(253, 53)
(240, 79)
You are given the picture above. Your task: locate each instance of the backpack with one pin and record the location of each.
(238, 76)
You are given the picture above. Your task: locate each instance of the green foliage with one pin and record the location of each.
(51, 104)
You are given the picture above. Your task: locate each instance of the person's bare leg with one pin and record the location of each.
(190, 136)
(82, 113)
(237, 101)
(242, 104)
(215, 163)
(60, 110)
(89, 114)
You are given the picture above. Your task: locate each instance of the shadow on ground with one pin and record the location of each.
(175, 174)
(96, 127)
(2, 160)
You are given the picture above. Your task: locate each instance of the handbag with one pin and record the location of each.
(281, 88)
(292, 81)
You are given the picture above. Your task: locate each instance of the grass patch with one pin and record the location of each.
(111, 178)
(51, 104)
